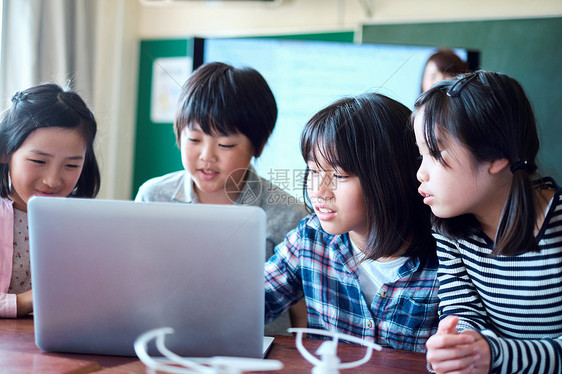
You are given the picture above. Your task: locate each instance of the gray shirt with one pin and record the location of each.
(283, 211)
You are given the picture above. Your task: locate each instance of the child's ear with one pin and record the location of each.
(498, 165)
(3, 159)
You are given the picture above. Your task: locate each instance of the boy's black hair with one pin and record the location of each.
(225, 100)
(48, 105)
(490, 115)
(368, 136)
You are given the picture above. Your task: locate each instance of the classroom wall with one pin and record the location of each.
(184, 19)
(528, 50)
(226, 18)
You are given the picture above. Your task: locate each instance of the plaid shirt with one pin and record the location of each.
(321, 268)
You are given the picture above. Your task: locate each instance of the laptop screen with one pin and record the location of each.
(105, 271)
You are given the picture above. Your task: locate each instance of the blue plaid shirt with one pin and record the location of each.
(322, 268)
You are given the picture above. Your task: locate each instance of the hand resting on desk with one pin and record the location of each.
(451, 351)
(25, 303)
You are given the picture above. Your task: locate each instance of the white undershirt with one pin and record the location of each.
(373, 274)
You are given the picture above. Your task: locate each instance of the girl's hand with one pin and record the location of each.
(482, 355)
(25, 303)
(454, 353)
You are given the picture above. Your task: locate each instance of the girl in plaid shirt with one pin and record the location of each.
(364, 260)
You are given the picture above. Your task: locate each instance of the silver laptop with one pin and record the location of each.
(105, 272)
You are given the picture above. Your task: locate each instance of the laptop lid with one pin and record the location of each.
(105, 271)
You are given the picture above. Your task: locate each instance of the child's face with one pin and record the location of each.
(217, 163)
(48, 163)
(462, 187)
(337, 199)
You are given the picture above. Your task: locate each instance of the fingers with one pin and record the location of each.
(482, 354)
(448, 325)
(458, 359)
(467, 370)
(464, 366)
(451, 352)
(449, 341)
(24, 303)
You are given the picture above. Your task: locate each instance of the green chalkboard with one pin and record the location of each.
(156, 152)
(529, 50)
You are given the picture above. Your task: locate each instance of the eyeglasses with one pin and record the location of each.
(456, 88)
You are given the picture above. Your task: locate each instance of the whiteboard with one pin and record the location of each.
(306, 76)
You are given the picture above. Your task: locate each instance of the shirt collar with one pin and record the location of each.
(252, 191)
(185, 192)
(341, 242)
(346, 251)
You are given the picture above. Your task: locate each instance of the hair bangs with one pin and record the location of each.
(207, 112)
(224, 100)
(439, 121)
(333, 156)
(325, 138)
(43, 106)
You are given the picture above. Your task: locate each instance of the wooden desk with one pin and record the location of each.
(19, 354)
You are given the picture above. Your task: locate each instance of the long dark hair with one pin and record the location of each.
(368, 136)
(490, 115)
(48, 105)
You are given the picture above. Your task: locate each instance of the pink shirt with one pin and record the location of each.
(8, 302)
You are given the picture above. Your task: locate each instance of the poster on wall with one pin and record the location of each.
(168, 76)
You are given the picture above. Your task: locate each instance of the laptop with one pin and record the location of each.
(104, 272)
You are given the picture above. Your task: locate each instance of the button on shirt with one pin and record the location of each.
(322, 268)
(373, 274)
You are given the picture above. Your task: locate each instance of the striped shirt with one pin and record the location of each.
(514, 301)
(322, 268)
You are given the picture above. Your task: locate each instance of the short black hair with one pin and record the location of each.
(368, 136)
(226, 100)
(48, 105)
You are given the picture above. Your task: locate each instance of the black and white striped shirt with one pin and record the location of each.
(514, 301)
